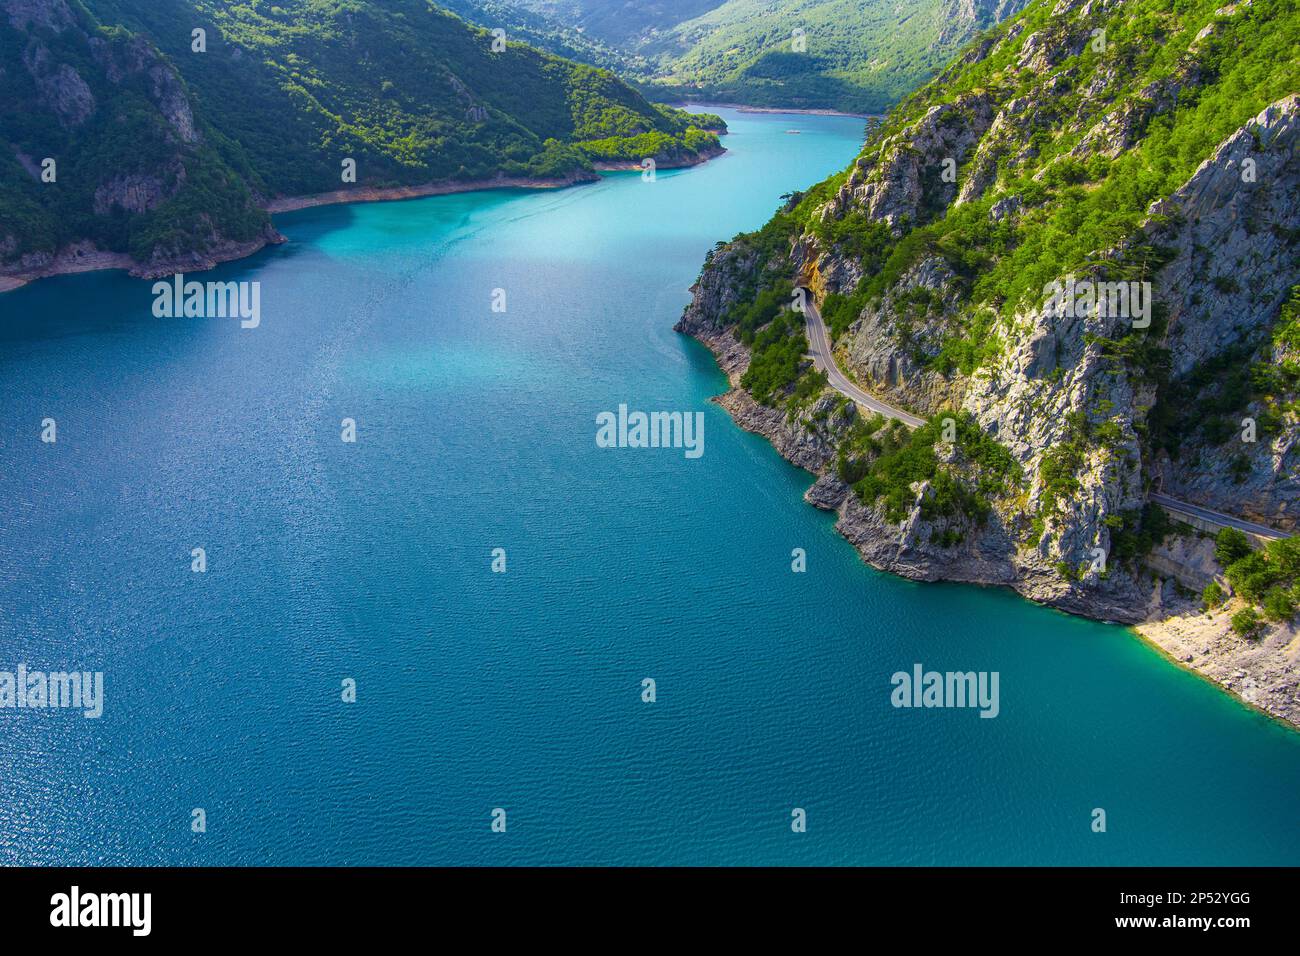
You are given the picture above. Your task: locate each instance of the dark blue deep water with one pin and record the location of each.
(522, 690)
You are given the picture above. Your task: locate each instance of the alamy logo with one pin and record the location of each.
(75, 908)
(923, 688)
(1083, 297)
(651, 430)
(37, 690)
(209, 300)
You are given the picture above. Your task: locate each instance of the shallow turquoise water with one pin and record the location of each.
(522, 690)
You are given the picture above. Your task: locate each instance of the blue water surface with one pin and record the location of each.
(478, 690)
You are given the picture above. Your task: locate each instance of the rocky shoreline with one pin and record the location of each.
(742, 108)
(1261, 673)
(1258, 672)
(624, 165)
(395, 193)
(85, 257)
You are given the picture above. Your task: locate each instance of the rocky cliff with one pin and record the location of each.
(1122, 150)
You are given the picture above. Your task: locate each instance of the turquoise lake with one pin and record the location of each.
(476, 690)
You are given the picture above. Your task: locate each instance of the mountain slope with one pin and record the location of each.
(168, 152)
(1080, 145)
(858, 56)
(619, 23)
(546, 30)
(134, 169)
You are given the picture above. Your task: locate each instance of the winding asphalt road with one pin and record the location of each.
(819, 348)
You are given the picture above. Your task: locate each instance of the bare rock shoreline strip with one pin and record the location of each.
(394, 193)
(84, 257)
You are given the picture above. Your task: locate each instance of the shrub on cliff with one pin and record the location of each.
(1269, 577)
(1246, 623)
(980, 471)
(1230, 546)
(1278, 605)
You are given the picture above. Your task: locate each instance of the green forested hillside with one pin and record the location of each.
(280, 97)
(132, 168)
(1123, 126)
(548, 30)
(401, 85)
(859, 56)
(619, 23)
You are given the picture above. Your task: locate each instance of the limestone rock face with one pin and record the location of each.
(799, 440)
(906, 173)
(1228, 225)
(60, 86)
(958, 17)
(1074, 396)
(132, 193)
(807, 440)
(890, 339)
(1055, 366)
(720, 286)
(169, 95)
(1233, 226)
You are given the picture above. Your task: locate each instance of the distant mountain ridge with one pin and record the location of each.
(859, 56)
(619, 23)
